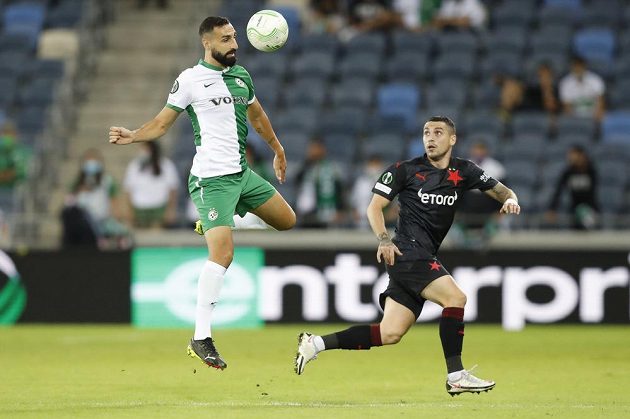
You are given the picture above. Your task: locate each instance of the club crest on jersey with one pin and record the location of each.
(175, 87)
(387, 178)
(239, 82)
(431, 198)
(213, 214)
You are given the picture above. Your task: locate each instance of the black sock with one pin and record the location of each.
(452, 337)
(356, 337)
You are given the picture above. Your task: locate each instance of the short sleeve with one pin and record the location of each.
(250, 86)
(390, 182)
(476, 178)
(180, 95)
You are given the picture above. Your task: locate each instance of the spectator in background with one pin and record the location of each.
(324, 17)
(416, 14)
(477, 206)
(162, 4)
(320, 200)
(362, 193)
(93, 208)
(461, 15)
(369, 16)
(580, 179)
(151, 183)
(582, 91)
(13, 163)
(516, 95)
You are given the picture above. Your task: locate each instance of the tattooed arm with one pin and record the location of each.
(506, 196)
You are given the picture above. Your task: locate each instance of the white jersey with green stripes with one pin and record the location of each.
(216, 101)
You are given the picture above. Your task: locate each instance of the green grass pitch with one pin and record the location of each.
(121, 372)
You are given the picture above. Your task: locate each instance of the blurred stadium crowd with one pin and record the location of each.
(539, 91)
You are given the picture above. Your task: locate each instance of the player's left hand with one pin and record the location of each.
(510, 206)
(280, 166)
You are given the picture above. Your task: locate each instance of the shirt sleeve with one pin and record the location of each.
(476, 178)
(391, 182)
(250, 86)
(180, 95)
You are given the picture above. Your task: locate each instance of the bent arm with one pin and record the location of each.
(376, 218)
(260, 121)
(505, 196)
(151, 130)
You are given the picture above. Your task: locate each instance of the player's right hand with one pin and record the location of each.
(120, 135)
(387, 251)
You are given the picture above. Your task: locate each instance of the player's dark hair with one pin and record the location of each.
(448, 121)
(212, 22)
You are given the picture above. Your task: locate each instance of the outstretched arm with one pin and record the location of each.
(152, 130)
(506, 196)
(386, 248)
(259, 120)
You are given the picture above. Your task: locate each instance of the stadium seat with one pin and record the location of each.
(263, 64)
(51, 69)
(415, 148)
(295, 144)
(342, 148)
(399, 99)
(502, 63)
(367, 43)
(584, 139)
(319, 43)
(513, 13)
(556, 17)
(447, 94)
(602, 14)
(566, 4)
(66, 15)
(611, 152)
(595, 44)
(530, 149)
(411, 42)
(486, 95)
(482, 121)
(458, 66)
(619, 94)
(39, 92)
(58, 44)
(311, 91)
(268, 91)
(531, 123)
(572, 125)
(407, 67)
(15, 42)
(616, 127)
(31, 120)
(457, 43)
(313, 64)
(613, 196)
(512, 41)
(297, 118)
(8, 87)
(386, 124)
(551, 171)
(621, 68)
(13, 64)
(344, 121)
(557, 61)
(361, 65)
(550, 40)
(613, 173)
(522, 172)
(353, 92)
(390, 147)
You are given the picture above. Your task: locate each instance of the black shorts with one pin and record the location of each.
(407, 279)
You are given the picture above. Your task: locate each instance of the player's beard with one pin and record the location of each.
(223, 58)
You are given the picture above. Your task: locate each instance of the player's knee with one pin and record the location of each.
(391, 337)
(288, 221)
(223, 257)
(457, 300)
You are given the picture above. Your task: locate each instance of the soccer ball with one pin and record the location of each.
(267, 30)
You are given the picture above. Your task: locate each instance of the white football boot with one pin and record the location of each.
(468, 383)
(306, 351)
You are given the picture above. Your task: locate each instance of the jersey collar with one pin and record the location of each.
(212, 67)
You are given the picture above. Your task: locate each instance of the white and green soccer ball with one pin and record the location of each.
(267, 30)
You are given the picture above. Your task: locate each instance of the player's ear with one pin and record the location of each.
(453, 139)
(205, 41)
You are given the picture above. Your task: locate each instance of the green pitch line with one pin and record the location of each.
(121, 372)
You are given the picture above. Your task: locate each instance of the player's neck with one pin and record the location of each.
(441, 163)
